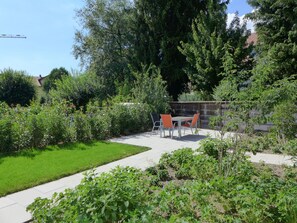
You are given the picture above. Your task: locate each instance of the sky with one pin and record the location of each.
(49, 26)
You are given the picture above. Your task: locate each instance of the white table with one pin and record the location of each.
(179, 120)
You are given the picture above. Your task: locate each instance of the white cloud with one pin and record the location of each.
(249, 24)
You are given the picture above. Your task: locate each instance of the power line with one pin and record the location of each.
(12, 36)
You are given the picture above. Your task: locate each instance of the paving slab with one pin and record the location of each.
(13, 207)
(5, 201)
(25, 197)
(15, 213)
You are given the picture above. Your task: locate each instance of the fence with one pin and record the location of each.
(206, 109)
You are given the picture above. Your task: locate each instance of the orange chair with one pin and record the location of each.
(192, 124)
(167, 124)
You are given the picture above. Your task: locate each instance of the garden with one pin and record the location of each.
(138, 56)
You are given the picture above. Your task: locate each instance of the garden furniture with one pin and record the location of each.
(156, 121)
(167, 124)
(191, 124)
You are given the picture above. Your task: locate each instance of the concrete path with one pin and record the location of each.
(13, 206)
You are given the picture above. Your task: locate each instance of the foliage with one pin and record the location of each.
(212, 147)
(194, 96)
(119, 196)
(99, 121)
(291, 147)
(150, 88)
(79, 90)
(116, 34)
(55, 74)
(129, 118)
(16, 87)
(104, 41)
(5, 134)
(160, 26)
(212, 46)
(225, 91)
(277, 104)
(59, 122)
(284, 120)
(273, 84)
(248, 194)
(277, 36)
(82, 125)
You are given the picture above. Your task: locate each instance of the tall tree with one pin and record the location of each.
(16, 87)
(55, 74)
(212, 44)
(104, 42)
(276, 27)
(160, 26)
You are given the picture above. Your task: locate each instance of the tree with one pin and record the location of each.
(79, 90)
(160, 26)
(275, 23)
(16, 87)
(104, 42)
(55, 74)
(213, 46)
(117, 33)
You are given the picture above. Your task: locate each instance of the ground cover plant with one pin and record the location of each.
(32, 167)
(185, 186)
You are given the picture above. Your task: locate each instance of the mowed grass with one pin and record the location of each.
(32, 167)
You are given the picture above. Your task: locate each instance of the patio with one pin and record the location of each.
(13, 206)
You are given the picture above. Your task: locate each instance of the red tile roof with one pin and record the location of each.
(252, 39)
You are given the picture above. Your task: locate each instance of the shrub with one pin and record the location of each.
(129, 195)
(6, 143)
(284, 120)
(57, 123)
(129, 118)
(212, 147)
(79, 90)
(55, 74)
(149, 88)
(82, 126)
(16, 87)
(195, 96)
(99, 120)
(291, 147)
(112, 197)
(20, 128)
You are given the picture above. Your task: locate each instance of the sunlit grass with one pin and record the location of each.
(32, 167)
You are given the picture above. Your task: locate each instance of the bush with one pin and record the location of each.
(129, 195)
(79, 90)
(49, 124)
(129, 118)
(99, 120)
(212, 147)
(55, 74)
(284, 120)
(195, 96)
(112, 197)
(6, 143)
(149, 88)
(57, 123)
(291, 147)
(82, 126)
(16, 87)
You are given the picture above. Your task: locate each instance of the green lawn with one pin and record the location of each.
(32, 167)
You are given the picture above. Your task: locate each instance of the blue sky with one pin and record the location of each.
(49, 26)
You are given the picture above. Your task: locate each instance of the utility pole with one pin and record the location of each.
(12, 36)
